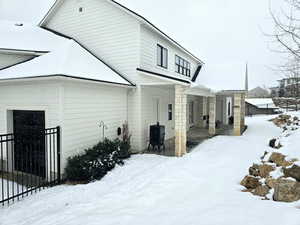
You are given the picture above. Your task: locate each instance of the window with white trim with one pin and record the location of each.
(162, 56)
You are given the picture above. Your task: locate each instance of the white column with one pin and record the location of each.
(237, 114)
(180, 121)
(204, 111)
(212, 116)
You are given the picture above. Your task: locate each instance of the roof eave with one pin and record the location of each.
(63, 76)
(22, 51)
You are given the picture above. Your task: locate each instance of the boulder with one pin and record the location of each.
(293, 172)
(250, 182)
(274, 143)
(279, 160)
(254, 170)
(286, 191)
(261, 190)
(271, 182)
(264, 170)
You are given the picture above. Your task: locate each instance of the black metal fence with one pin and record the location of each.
(29, 162)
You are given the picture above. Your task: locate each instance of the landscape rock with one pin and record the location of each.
(254, 170)
(271, 182)
(250, 182)
(293, 172)
(274, 143)
(264, 170)
(261, 190)
(286, 191)
(279, 160)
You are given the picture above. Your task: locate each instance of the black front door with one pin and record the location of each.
(29, 134)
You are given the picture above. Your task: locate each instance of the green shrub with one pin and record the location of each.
(95, 162)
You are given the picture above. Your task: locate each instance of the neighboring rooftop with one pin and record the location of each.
(262, 103)
(71, 60)
(26, 37)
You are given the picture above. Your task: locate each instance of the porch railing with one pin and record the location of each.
(28, 163)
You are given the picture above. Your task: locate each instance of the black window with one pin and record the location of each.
(162, 56)
(182, 66)
(170, 112)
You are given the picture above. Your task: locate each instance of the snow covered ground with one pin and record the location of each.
(9, 189)
(200, 188)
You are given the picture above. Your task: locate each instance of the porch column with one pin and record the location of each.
(204, 111)
(243, 111)
(180, 121)
(239, 112)
(212, 116)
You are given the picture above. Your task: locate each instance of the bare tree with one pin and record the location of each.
(287, 35)
(287, 29)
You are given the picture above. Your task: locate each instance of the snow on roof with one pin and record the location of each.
(261, 103)
(70, 60)
(19, 36)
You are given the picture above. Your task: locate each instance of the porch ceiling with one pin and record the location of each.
(200, 90)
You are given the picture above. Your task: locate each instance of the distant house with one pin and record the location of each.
(289, 87)
(258, 92)
(259, 106)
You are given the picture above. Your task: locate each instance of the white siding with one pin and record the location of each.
(11, 59)
(165, 96)
(27, 96)
(85, 106)
(104, 29)
(148, 54)
(113, 36)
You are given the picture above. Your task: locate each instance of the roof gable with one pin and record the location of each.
(134, 14)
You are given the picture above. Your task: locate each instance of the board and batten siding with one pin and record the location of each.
(84, 107)
(112, 35)
(40, 96)
(12, 59)
(148, 54)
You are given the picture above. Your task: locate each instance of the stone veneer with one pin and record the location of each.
(212, 116)
(180, 120)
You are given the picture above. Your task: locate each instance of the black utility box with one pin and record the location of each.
(157, 136)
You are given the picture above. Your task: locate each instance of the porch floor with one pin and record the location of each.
(195, 136)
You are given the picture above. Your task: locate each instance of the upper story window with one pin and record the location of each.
(162, 56)
(182, 66)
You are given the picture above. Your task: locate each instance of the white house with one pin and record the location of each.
(112, 65)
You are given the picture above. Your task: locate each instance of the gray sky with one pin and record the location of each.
(225, 34)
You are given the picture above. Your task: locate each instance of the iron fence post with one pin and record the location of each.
(58, 154)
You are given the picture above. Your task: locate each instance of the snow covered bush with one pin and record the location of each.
(95, 162)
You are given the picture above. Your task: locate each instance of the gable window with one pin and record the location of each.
(162, 56)
(182, 66)
(170, 112)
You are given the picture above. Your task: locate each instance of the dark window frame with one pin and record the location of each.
(162, 55)
(182, 66)
(170, 112)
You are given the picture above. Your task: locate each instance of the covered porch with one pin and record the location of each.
(186, 114)
(201, 114)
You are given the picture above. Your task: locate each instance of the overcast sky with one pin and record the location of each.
(225, 34)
